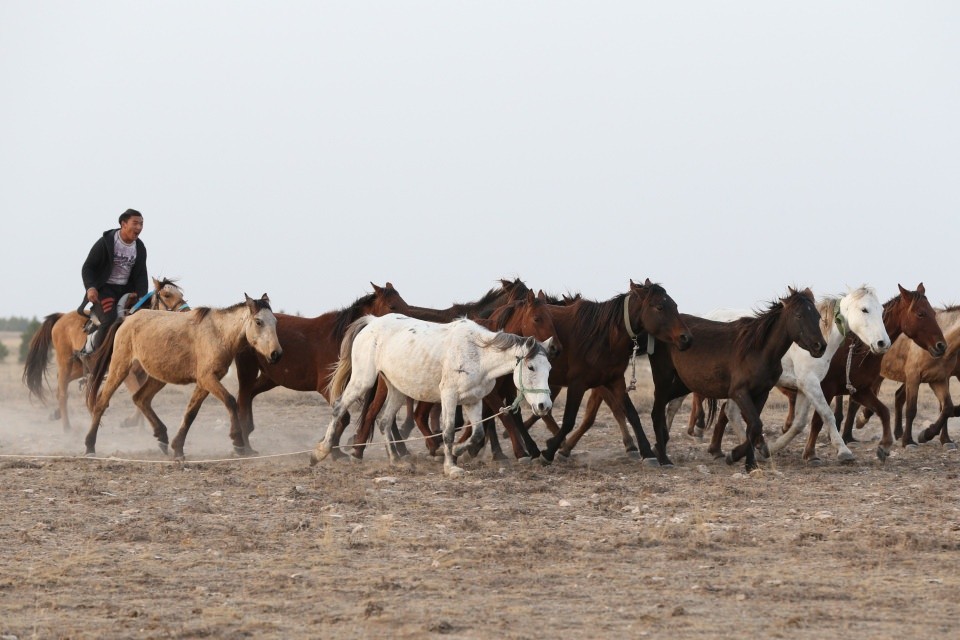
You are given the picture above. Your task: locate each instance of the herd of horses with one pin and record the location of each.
(461, 366)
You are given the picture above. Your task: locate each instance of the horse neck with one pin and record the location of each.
(231, 324)
(497, 363)
(834, 340)
(777, 340)
(891, 319)
(431, 315)
(952, 337)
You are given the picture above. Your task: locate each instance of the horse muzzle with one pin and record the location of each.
(938, 350)
(274, 356)
(684, 342)
(541, 408)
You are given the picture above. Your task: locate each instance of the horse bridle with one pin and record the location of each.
(636, 345)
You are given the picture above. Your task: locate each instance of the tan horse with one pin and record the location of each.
(64, 332)
(912, 365)
(181, 348)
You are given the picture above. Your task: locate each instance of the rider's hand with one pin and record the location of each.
(92, 295)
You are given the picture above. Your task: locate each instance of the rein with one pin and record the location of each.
(636, 345)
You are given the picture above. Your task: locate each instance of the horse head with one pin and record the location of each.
(261, 328)
(803, 321)
(168, 296)
(918, 320)
(531, 376)
(652, 310)
(387, 300)
(862, 312)
(528, 317)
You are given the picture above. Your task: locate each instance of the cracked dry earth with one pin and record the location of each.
(598, 546)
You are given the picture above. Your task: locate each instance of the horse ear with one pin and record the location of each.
(156, 284)
(541, 296)
(807, 292)
(632, 283)
(376, 289)
(550, 347)
(921, 290)
(903, 292)
(265, 298)
(529, 343)
(251, 305)
(530, 297)
(647, 282)
(389, 285)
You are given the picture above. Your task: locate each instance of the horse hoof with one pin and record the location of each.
(882, 454)
(923, 437)
(763, 451)
(546, 462)
(666, 465)
(164, 447)
(845, 456)
(633, 454)
(716, 454)
(524, 460)
(814, 461)
(911, 445)
(337, 454)
(729, 458)
(651, 462)
(178, 455)
(698, 433)
(319, 453)
(90, 454)
(950, 446)
(354, 458)
(455, 472)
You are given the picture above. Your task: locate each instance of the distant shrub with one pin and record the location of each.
(4, 352)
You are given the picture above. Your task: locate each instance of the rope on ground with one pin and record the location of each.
(24, 456)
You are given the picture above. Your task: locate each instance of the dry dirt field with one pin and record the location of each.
(598, 546)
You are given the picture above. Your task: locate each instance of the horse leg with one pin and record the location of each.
(472, 415)
(63, 383)
(386, 418)
(193, 407)
(119, 369)
(718, 430)
(813, 393)
(252, 382)
(899, 398)
(940, 388)
(448, 422)
(868, 398)
(574, 397)
(142, 399)
(367, 420)
(750, 407)
(791, 395)
(132, 383)
(801, 410)
(912, 392)
(695, 423)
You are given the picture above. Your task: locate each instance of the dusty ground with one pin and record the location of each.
(599, 546)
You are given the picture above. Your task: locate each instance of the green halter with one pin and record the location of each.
(840, 320)
(515, 407)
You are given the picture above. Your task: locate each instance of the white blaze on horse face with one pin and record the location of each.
(262, 335)
(863, 313)
(532, 375)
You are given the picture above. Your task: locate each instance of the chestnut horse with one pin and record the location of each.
(854, 365)
(311, 351)
(912, 365)
(740, 360)
(65, 333)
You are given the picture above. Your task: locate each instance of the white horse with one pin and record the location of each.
(452, 364)
(860, 312)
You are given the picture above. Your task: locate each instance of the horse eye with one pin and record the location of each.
(259, 322)
(659, 307)
(530, 367)
(865, 310)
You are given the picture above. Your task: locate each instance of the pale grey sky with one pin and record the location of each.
(304, 149)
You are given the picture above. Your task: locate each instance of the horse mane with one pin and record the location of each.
(752, 332)
(501, 315)
(348, 315)
(592, 321)
(519, 290)
(200, 313)
(827, 309)
(503, 341)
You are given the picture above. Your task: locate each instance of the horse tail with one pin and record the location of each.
(344, 366)
(100, 363)
(35, 367)
(712, 409)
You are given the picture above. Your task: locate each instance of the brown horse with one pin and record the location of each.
(530, 316)
(908, 313)
(65, 333)
(599, 339)
(311, 350)
(912, 365)
(181, 348)
(739, 360)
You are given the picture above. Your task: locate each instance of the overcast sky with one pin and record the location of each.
(304, 149)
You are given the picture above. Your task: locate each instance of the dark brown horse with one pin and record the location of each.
(739, 360)
(64, 332)
(530, 316)
(908, 313)
(312, 349)
(598, 340)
